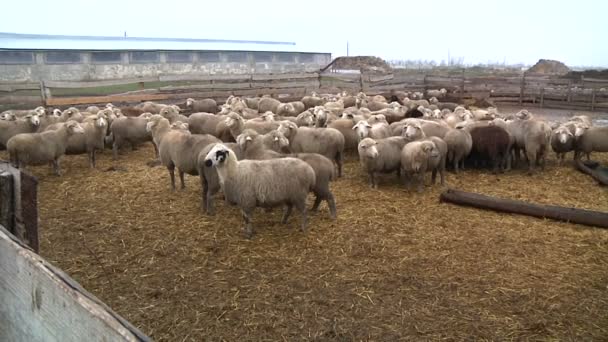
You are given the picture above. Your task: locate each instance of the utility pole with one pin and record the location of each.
(448, 57)
(347, 52)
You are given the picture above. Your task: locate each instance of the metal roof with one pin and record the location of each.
(67, 42)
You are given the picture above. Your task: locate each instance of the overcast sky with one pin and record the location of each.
(575, 32)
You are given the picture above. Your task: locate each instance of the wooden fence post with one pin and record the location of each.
(7, 206)
(593, 100)
(42, 93)
(462, 85)
(542, 97)
(521, 89)
(569, 98)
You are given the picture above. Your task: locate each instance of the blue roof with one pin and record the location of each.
(66, 42)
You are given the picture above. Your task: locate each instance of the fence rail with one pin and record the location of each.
(541, 90)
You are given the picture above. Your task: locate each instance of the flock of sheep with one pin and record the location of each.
(264, 153)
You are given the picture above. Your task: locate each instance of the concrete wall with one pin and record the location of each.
(128, 67)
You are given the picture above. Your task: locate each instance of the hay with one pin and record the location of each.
(395, 265)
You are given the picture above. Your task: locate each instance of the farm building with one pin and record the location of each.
(36, 57)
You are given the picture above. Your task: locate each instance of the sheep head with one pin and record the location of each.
(563, 134)
(413, 131)
(9, 116)
(306, 118)
(278, 139)
(362, 128)
(246, 138)
(56, 112)
(430, 148)
(367, 148)
(523, 114)
(189, 102)
(74, 127)
(34, 119)
(288, 128)
(433, 100)
(218, 155)
(580, 129)
(180, 126)
(233, 120)
(40, 110)
(109, 105)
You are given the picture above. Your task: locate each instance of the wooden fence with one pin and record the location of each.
(525, 89)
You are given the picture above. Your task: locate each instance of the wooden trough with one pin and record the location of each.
(39, 302)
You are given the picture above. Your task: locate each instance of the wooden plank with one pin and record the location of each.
(62, 101)
(268, 77)
(571, 215)
(192, 77)
(227, 86)
(10, 87)
(92, 84)
(15, 99)
(42, 303)
(7, 201)
(29, 209)
(297, 84)
(380, 78)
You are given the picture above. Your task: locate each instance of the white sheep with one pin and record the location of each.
(382, 155)
(378, 130)
(41, 148)
(8, 129)
(562, 142)
(262, 183)
(328, 142)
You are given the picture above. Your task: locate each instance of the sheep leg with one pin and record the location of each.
(57, 167)
(204, 193)
(181, 178)
(248, 228)
(315, 206)
(434, 176)
(456, 161)
(156, 152)
(588, 156)
(301, 206)
(442, 176)
(339, 161)
(92, 158)
(531, 156)
(286, 214)
(115, 149)
(420, 181)
(331, 202)
(171, 169)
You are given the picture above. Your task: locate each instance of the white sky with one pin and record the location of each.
(480, 31)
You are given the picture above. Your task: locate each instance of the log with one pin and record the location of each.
(591, 171)
(572, 215)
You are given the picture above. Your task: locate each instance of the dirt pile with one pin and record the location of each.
(549, 67)
(362, 63)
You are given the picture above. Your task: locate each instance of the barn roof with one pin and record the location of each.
(68, 42)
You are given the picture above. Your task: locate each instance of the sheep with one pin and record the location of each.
(595, 139)
(379, 130)
(334, 107)
(415, 130)
(71, 113)
(151, 107)
(92, 109)
(205, 105)
(180, 149)
(417, 157)
(210, 183)
(131, 130)
(172, 114)
(325, 141)
(131, 111)
(533, 137)
(267, 104)
(41, 148)
(204, 123)
(41, 111)
(8, 116)
(312, 101)
(582, 118)
(49, 119)
(562, 142)
(375, 105)
(264, 183)
(437, 93)
(286, 109)
(158, 127)
(490, 142)
(251, 102)
(8, 129)
(345, 126)
(382, 155)
(236, 125)
(459, 146)
(95, 128)
(255, 146)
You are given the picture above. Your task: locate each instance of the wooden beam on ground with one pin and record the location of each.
(572, 215)
(598, 176)
(62, 101)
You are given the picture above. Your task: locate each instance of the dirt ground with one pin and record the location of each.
(394, 266)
